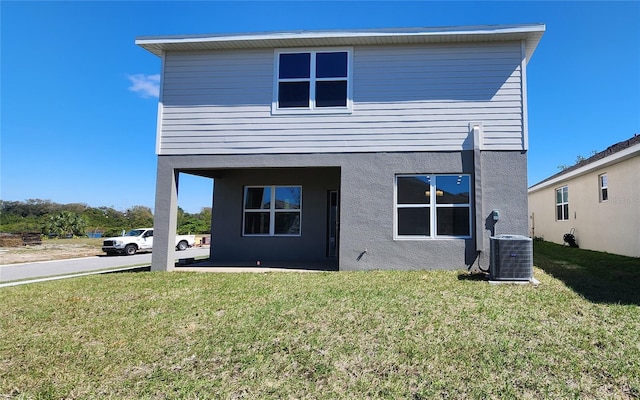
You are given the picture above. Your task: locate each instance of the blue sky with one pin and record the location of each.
(78, 99)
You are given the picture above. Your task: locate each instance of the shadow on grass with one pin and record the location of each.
(203, 264)
(466, 276)
(129, 270)
(598, 277)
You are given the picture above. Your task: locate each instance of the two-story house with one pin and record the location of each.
(357, 150)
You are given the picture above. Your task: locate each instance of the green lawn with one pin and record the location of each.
(409, 335)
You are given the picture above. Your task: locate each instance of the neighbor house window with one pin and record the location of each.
(562, 203)
(604, 187)
(433, 206)
(313, 81)
(272, 210)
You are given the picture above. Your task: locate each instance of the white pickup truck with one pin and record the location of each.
(141, 239)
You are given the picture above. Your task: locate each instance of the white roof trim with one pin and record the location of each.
(612, 159)
(530, 33)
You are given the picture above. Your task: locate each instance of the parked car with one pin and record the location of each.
(141, 239)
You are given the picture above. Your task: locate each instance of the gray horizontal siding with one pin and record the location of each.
(407, 98)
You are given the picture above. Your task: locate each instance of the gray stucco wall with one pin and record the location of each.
(228, 242)
(366, 185)
(367, 213)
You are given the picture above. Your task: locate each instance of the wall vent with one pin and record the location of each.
(511, 258)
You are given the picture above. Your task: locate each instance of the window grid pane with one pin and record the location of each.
(288, 197)
(452, 190)
(453, 221)
(287, 223)
(414, 189)
(293, 94)
(414, 221)
(295, 66)
(257, 223)
(331, 65)
(331, 94)
(258, 198)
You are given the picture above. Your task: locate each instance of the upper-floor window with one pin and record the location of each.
(604, 187)
(312, 81)
(433, 206)
(272, 210)
(562, 204)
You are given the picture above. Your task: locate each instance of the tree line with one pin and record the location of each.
(78, 219)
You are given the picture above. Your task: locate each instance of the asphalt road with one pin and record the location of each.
(41, 269)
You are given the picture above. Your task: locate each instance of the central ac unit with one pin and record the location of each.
(511, 258)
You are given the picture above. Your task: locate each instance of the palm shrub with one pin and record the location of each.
(66, 223)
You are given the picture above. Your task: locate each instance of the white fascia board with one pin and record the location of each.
(612, 159)
(530, 32)
(440, 31)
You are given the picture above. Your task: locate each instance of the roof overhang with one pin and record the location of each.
(633, 151)
(530, 34)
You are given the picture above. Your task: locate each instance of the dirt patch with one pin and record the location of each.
(47, 252)
(60, 249)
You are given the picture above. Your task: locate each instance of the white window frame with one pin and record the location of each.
(562, 203)
(312, 109)
(603, 184)
(272, 210)
(433, 209)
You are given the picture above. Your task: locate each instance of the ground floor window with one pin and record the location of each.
(432, 206)
(272, 210)
(562, 204)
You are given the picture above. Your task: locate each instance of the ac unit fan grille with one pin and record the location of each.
(511, 258)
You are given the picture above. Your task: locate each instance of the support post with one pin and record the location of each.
(165, 217)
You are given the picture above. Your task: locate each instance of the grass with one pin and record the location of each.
(600, 277)
(416, 335)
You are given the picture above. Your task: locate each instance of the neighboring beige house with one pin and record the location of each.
(598, 197)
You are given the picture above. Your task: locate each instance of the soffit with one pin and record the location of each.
(531, 34)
